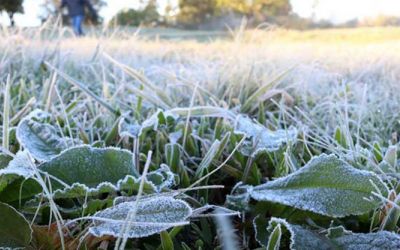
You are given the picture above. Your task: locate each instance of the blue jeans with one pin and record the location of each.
(77, 25)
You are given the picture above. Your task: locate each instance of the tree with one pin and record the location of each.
(147, 15)
(193, 12)
(51, 8)
(260, 10)
(12, 7)
(196, 12)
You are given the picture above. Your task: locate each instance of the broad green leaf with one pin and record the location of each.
(130, 186)
(263, 139)
(15, 231)
(152, 216)
(41, 140)
(327, 186)
(20, 189)
(77, 190)
(90, 166)
(155, 182)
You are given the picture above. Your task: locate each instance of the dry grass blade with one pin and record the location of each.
(6, 114)
(82, 87)
(204, 111)
(247, 106)
(143, 80)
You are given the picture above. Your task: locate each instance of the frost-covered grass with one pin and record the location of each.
(279, 138)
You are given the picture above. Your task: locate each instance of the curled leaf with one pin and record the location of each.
(40, 139)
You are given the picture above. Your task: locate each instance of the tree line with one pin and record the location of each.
(195, 14)
(187, 13)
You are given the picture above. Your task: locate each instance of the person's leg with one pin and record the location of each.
(75, 24)
(80, 23)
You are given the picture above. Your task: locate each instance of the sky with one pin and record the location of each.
(334, 10)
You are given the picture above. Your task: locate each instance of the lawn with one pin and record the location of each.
(168, 139)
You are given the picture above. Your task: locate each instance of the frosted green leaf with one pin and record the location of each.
(15, 231)
(153, 215)
(77, 190)
(90, 166)
(129, 185)
(382, 240)
(327, 186)
(263, 139)
(42, 140)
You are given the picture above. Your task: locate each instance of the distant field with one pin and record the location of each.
(348, 35)
(351, 35)
(170, 139)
